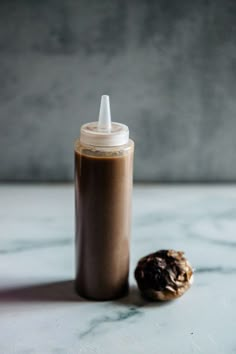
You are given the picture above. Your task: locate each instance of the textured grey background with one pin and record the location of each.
(169, 66)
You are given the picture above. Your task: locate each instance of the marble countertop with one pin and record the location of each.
(39, 312)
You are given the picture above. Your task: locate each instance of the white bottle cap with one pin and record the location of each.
(104, 132)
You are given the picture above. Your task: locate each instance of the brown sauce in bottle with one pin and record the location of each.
(103, 188)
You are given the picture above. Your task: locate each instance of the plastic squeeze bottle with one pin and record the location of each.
(103, 189)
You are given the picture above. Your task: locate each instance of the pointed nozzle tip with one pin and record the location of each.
(105, 97)
(104, 120)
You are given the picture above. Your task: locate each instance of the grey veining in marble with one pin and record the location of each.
(169, 67)
(40, 312)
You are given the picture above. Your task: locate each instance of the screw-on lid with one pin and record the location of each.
(104, 132)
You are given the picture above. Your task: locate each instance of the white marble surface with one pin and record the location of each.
(39, 312)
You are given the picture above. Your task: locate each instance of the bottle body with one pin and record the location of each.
(103, 192)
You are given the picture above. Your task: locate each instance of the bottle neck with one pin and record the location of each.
(106, 151)
(92, 134)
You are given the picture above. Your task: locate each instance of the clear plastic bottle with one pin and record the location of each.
(103, 191)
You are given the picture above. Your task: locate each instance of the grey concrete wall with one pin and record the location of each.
(169, 66)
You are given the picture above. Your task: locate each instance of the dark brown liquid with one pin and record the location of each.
(103, 187)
